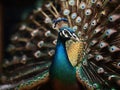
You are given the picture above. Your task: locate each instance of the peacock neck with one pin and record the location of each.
(61, 67)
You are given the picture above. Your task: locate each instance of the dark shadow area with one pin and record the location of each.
(14, 11)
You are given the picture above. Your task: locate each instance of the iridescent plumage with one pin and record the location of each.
(93, 62)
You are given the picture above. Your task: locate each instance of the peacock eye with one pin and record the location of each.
(109, 32)
(85, 63)
(73, 15)
(79, 34)
(118, 65)
(82, 5)
(75, 28)
(102, 44)
(95, 85)
(97, 30)
(48, 33)
(71, 2)
(40, 44)
(93, 1)
(100, 70)
(99, 57)
(113, 18)
(51, 52)
(37, 54)
(110, 18)
(114, 49)
(88, 12)
(85, 26)
(66, 12)
(93, 23)
(78, 19)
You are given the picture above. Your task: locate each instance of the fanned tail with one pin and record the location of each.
(96, 56)
(99, 68)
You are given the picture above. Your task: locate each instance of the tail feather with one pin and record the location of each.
(96, 22)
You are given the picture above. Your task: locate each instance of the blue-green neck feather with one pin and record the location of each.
(61, 67)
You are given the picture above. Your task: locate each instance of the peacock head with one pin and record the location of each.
(65, 32)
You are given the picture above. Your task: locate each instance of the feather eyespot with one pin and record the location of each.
(114, 49)
(93, 23)
(79, 34)
(37, 54)
(78, 19)
(93, 1)
(66, 12)
(40, 44)
(71, 2)
(51, 52)
(48, 33)
(82, 5)
(100, 70)
(85, 26)
(110, 18)
(97, 30)
(95, 85)
(113, 18)
(85, 63)
(118, 65)
(110, 32)
(99, 4)
(103, 44)
(75, 28)
(99, 57)
(73, 15)
(88, 12)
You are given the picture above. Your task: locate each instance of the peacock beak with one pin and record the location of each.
(74, 37)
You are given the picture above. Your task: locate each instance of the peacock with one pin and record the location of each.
(65, 44)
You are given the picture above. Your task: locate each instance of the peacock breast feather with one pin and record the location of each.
(75, 51)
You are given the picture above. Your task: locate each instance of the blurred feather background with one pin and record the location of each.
(11, 13)
(15, 12)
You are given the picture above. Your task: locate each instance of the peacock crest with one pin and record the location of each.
(95, 57)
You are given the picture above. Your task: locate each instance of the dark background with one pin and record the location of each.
(13, 12)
